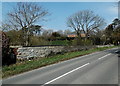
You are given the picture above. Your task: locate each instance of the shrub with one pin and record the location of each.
(60, 42)
(8, 55)
(79, 41)
(36, 40)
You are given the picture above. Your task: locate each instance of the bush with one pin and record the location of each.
(16, 37)
(87, 42)
(35, 40)
(59, 42)
(8, 55)
(79, 41)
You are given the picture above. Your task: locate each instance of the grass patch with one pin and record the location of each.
(60, 42)
(33, 64)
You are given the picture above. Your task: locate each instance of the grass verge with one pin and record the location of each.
(18, 68)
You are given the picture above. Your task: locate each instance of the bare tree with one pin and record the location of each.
(85, 21)
(24, 16)
(47, 33)
(5, 27)
(67, 32)
(60, 32)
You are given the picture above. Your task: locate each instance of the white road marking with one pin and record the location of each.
(65, 74)
(48, 66)
(104, 56)
(72, 71)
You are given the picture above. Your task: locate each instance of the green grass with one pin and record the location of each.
(33, 64)
(59, 42)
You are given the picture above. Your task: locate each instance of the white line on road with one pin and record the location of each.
(65, 74)
(71, 71)
(104, 56)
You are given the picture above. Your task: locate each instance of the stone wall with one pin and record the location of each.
(43, 51)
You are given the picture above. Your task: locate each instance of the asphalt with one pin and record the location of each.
(96, 68)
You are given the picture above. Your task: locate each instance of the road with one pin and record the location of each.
(96, 68)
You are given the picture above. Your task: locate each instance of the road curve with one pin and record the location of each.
(96, 68)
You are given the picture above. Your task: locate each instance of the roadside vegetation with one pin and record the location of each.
(37, 63)
(23, 28)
